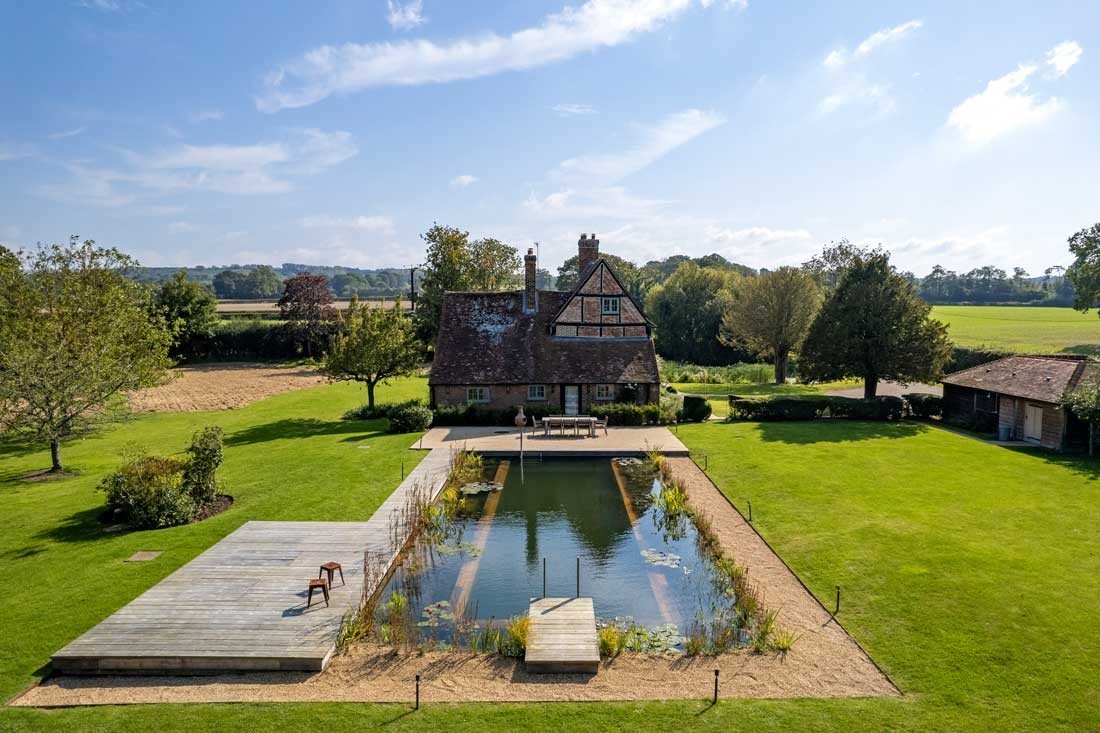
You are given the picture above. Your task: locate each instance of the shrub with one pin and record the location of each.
(924, 405)
(674, 371)
(150, 491)
(612, 641)
(696, 409)
(513, 642)
(765, 409)
(366, 412)
(204, 457)
(409, 417)
(964, 358)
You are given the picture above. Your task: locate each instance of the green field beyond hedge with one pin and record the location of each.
(1021, 329)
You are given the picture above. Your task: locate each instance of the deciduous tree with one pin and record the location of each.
(75, 334)
(189, 310)
(687, 310)
(1084, 273)
(373, 345)
(874, 326)
(1084, 403)
(306, 306)
(771, 313)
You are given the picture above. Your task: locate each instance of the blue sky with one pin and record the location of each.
(954, 133)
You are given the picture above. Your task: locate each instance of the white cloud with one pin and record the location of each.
(1062, 57)
(569, 110)
(205, 115)
(234, 236)
(737, 5)
(376, 224)
(653, 142)
(14, 151)
(1005, 105)
(839, 57)
(267, 167)
(463, 181)
(404, 16)
(111, 6)
(181, 226)
(847, 79)
(354, 67)
(887, 35)
(611, 202)
(65, 133)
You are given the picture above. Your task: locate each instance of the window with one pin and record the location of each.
(536, 392)
(477, 394)
(605, 391)
(609, 306)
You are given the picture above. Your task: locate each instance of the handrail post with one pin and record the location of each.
(578, 576)
(544, 577)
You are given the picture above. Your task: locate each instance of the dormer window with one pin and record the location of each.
(609, 306)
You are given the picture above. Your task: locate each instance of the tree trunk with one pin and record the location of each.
(55, 456)
(370, 395)
(1091, 442)
(870, 387)
(782, 358)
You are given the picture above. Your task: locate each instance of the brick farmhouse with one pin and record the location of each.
(566, 350)
(1019, 398)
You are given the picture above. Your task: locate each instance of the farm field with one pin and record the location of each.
(1021, 328)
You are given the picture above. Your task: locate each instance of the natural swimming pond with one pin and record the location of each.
(639, 561)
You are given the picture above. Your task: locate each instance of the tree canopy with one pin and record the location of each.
(307, 306)
(373, 345)
(189, 311)
(771, 313)
(453, 262)
(687, 310)
(874, 326)
(75, 334)
(1084, 273)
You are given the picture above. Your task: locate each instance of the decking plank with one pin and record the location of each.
(563, 636)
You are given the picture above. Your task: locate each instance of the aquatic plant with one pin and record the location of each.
(762, 633)
(513, 643)
(783, 640)
(611, 640)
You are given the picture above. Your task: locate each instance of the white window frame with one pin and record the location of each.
(608, 388)
(613, 310)
(536, 393)
(482, 392)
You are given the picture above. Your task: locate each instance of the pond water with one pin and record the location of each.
(635, 563)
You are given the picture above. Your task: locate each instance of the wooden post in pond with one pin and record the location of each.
(578, 576)
(544, 577)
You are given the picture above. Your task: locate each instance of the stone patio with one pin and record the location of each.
(618, 441)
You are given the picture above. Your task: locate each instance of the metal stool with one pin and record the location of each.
(314, 584)
(331, 568)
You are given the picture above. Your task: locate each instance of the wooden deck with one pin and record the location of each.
(241, 605)
(563, 636)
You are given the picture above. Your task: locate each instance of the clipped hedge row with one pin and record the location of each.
(767, 409)
(924, 405)
(964, 358)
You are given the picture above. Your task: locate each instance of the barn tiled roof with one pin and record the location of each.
(486, 338)
(1041, 378)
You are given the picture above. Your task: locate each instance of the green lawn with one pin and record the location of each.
(970, 572)
(1022, 328)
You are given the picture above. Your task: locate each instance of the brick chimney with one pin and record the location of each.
(588, 251)
(530, 292)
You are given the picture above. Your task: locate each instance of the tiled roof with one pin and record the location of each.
(486, 338)
(1041, 378)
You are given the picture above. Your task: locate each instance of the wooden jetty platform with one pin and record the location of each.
(563, 636)
(241, 605)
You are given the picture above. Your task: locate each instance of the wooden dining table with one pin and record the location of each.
(563, 422)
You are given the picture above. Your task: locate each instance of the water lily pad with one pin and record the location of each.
(436, 612)
(460, 548)
(480, 487)
(662, 559)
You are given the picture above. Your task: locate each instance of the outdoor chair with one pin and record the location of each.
(600, 425)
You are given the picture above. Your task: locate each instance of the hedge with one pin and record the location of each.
(695, 409)
(248, 339)
(924, 405)
(766, 409)
(965, 358)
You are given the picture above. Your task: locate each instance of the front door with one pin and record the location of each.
(572, 399)
(1033, 423)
